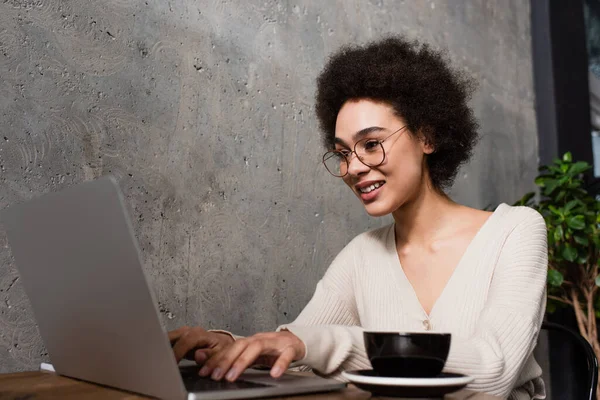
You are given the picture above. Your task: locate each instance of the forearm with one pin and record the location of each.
(495, 355)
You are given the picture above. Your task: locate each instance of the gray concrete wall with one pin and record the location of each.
(203, 111)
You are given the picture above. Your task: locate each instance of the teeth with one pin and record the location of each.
(369, 189)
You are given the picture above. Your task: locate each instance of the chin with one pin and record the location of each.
(378, 210)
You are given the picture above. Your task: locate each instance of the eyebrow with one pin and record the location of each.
(360, 134)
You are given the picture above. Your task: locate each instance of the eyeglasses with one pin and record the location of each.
(369, 151)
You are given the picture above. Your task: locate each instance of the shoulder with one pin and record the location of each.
(520, 218)
(525, 237)
(522, 243)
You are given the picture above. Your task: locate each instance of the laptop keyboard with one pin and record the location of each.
(195, 383)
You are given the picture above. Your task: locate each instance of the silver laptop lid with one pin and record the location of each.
(80, 266)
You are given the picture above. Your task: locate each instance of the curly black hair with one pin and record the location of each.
(420, 85)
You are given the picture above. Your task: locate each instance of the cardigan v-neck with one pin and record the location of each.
(473, 249)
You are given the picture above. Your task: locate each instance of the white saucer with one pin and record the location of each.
(407, 387)
(444, 380)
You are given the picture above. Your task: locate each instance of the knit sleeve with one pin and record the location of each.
(508, 327)
(329, 325)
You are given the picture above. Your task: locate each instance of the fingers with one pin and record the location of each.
(218, 365)
(188, 341)
(283, 362)
(245, 360)
(277, 348)
(201, 355)
(176, 334)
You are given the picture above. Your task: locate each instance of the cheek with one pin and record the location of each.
(405, 169)
(405, 158)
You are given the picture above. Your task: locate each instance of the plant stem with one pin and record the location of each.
(579, 315)
(561, 299)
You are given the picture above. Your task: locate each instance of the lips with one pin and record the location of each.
(368, 191)
(366, 188)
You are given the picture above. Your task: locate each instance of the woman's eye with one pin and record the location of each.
(371, 144)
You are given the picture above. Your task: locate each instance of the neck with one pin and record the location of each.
(423, 218)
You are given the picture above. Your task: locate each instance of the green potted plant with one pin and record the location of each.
(572, 216)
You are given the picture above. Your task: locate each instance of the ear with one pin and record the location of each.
(426, 145)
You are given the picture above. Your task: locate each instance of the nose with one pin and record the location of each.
(356, 167)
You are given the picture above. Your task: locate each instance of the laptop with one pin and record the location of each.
(81, 269)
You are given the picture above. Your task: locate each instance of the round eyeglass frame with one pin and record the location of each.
(346, 157)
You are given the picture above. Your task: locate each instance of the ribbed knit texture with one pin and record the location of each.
(493, 305)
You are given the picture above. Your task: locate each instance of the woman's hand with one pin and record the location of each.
(274, 349)
(197, 343)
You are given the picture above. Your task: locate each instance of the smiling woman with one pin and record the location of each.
(397, 127)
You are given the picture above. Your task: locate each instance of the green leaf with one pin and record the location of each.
(583, 259)
(551, 307)
(567, 157)
(582, 240)
(563, 180)
(540, 181)
(590, 214)
(555, 210)
(555, 278)
(569, 254)
(598, 280)
(558, 233)
(579, 167)
(570, 205)
(555, 170)
(550, 185)
(577, 222)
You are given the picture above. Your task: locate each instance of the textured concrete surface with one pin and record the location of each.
(203, 111)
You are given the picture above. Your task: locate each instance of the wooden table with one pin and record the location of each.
(47, 385)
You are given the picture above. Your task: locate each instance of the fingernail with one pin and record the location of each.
(275, 372)
(231, 374)
(204, 371)
(216, 375)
